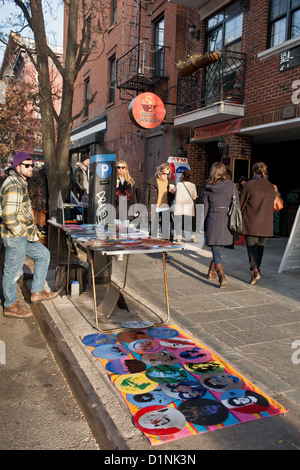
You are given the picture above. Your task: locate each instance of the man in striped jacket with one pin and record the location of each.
(20, 238)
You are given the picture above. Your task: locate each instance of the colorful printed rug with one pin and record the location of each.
(173, 386)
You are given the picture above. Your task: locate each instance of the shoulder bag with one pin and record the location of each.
(235, 223)
(278, 202)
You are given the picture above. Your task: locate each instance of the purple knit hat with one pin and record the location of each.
(19, 158)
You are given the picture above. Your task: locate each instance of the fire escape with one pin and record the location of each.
(141, 64)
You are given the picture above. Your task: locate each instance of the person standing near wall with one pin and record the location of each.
(21, 238)
(81, 179)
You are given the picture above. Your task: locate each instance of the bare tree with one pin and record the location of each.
(86, 29)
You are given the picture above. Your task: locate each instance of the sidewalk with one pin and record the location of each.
(251, 327)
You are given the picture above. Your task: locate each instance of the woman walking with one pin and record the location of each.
(216, 197)
(257, 200)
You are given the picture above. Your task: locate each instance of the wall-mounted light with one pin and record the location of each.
(221, 145)
(139, 133)
(181, 152)
(194, 32)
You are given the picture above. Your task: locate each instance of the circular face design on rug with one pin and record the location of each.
(186, 390)
(125, 366)
(162, 332)
(166, 374)
(134, 384)
(162, 357)
(137, 324)
(203, 368)
(110, 352)
(204, 412)
(145, 346)
(177, 343)
(130, 336)
(221, 382)
(244, 401)
(97, 340)
(157, 397)
(159, 420)
(193, 354)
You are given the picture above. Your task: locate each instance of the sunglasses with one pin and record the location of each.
(120, 167)
(166, 174)
(28, 165)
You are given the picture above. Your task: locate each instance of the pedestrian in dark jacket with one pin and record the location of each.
(160, 192)
(216, 198)
(257, 200)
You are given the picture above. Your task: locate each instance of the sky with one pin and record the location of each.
(54, 22)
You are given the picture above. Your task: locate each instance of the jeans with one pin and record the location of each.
(255, 249)
(16, 250)
(217, 251)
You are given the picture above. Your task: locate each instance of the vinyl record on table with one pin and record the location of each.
(128, 336)
(159, 420)
(110, 352)
(162, 357)
(204, 411)
(134, 384)
(137, 324)
(145, 346)
(166, 374)
(187, 390)
(220, 382)
(177, 343)
(244, 401)
(125, 366)
(156, 397)
(161, 332)
(193, 354)
(204, 367)
(98, 339)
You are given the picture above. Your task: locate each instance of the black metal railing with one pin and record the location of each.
(140, 66)
(223, 80)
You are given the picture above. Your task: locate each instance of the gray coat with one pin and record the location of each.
(216, 199)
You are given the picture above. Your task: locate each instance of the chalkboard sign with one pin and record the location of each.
(289, 58)
(241, 167)
(291, 257)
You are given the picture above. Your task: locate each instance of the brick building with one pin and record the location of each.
(240, 106)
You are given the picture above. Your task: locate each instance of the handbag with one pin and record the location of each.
(278, 202)
(235, 221)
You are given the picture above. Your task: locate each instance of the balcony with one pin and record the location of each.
(140, 67)
(212, 94)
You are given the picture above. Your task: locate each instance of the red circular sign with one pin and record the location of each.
(147, 110)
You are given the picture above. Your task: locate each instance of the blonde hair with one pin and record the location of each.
(126, 174)
(162, 167)
(260, 168)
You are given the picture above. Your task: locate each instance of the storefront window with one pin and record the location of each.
(284, 21)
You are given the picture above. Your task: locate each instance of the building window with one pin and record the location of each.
(225, 28)
(112, 78)
(88, 31)
(284, 21)
(113, 11)
(158, 57)
(86, 96)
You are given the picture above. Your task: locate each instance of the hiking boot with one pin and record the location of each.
(16, 311)
(42, 296)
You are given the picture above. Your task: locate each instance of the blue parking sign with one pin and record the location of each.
(104, 170)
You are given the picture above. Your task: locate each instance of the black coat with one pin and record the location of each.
(125, 190)
(216, 199)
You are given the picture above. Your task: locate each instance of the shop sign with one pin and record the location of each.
(147, 110)
(229, 127)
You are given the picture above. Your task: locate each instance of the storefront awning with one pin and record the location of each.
(279, 131)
